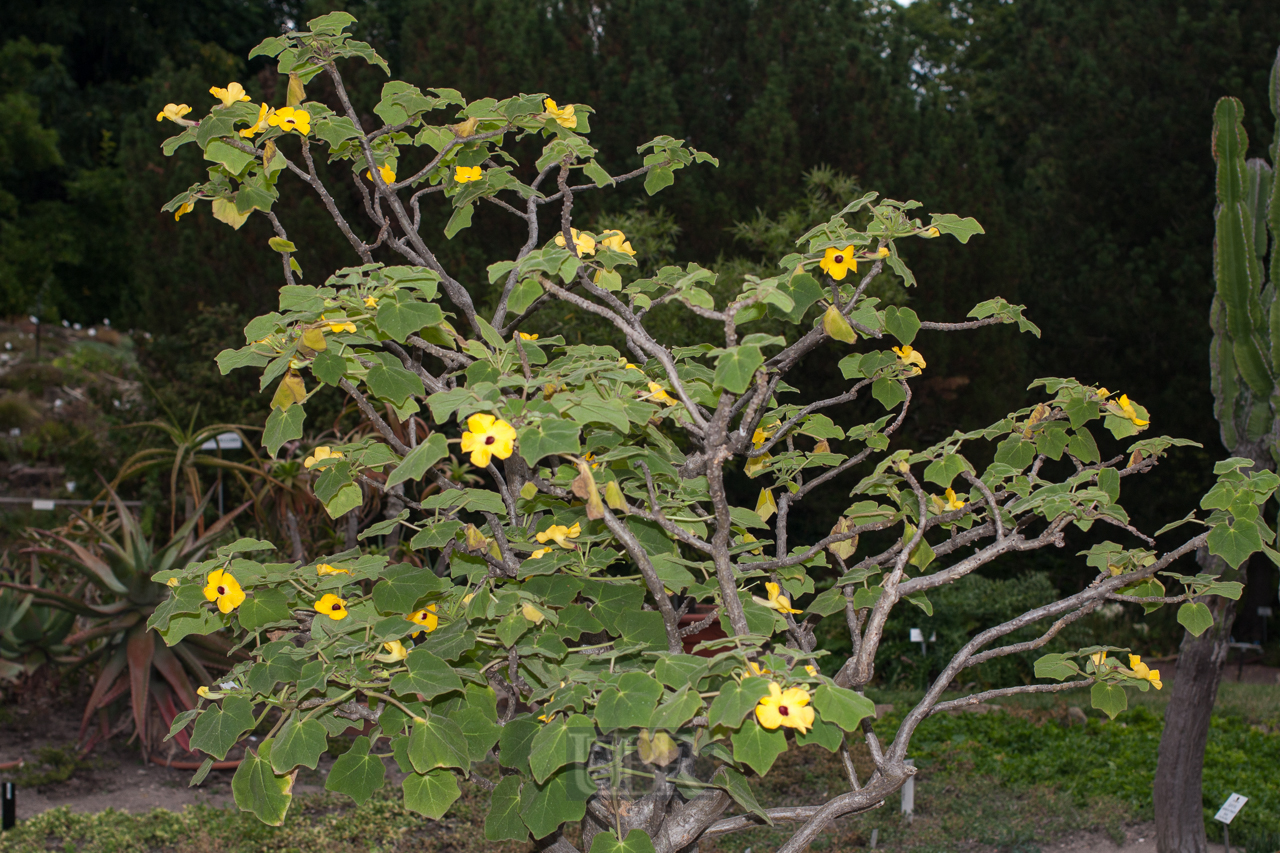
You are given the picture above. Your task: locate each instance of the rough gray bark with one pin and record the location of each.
(1179, 801)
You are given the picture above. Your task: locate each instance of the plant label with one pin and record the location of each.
(1230, 808)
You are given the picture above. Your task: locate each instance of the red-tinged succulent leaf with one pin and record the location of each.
(110, 672)
(140, 648)
(169, 710)
(171, 668)
(89, 563)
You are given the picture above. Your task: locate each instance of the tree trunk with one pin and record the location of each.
(1179, 801)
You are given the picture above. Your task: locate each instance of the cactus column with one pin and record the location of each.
(1245, 363)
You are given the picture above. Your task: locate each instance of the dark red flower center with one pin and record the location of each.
(839, 259)
(489, 439)
(337, 607)
(784, 711)
(222, 590)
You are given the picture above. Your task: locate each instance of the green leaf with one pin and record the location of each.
(562, 799)
(282, 425)
(560, 742)
(347, 498)
(402, 586)
(461, 219)
(824, 734)
(902, 323)
(676, 711)
(523, 296)
(550, 435)
(415, 464)
(280, 244)
(597, 174)
(842, 706)
(437, 743)
(262, 608)
(737, 367)
(427, 675)
(757, 747)
(1195, 617)
(480, 732)
(677, 671)
(736, 701)
(1056, 666)
(1235, 542)
(503, 822)
(658, 179)
(329, 367)
(515, 742)
(944, 471)
(393, 383)
(736, 786)
(356, 773)
(888, 391)
(218, 729)
(259, 790)
(299, 742)
(402, 318)
(1108, 698)
(232, 158)
(637, 841)
(960, 228)
(431, 794)
(630, 704)
(598, 410)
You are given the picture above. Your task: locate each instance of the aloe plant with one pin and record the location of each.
(116, 561)
(32, 635)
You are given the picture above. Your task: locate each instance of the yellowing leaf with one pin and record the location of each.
(297, 93)
(835, 325)
(613, 496)
(660, 749)
(224, 210)
(314, 339)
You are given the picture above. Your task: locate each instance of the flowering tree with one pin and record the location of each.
(556, 614)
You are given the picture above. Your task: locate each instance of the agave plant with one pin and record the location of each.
(116, 561)
(32, 635)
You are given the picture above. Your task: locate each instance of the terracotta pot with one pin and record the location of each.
(711, 632)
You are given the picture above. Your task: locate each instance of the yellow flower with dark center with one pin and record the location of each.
(1124, 408)
(426, 617)
(776, 600)
(395, 652)
(912, 357)
(385, 172)
(1141, 670)
(324, 570)
(584, 243)
(259, 125)
(234, 92)
(487, 436)
(221, 587)
(332, 606)
(291, 118)
(838, 262)
(173, 112)
(561, 535)
(563, 115)
(616, 241)
(527, 337)
(788, 708)
(659, 395)
(319, 455)
(467, 174)
(187, 207)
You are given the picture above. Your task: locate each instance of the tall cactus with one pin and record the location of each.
(1245, 355)
(1245, 363)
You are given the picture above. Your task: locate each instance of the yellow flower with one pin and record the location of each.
(527, 337)
(426, 617)
(395, 652)
(776, 601)
(561, 535)
(385, 172)
(788, 708)
(173, 112)
(203, 692)
(563, 115)
(838, 262)
(321, 454)
(332, 606)
(291, 118)
(171, 583)
(883, 252)
(371, 302)
(763, 434)
(766, 506)
(952, 501)
(259, 125)
(932, 232)
(1141, 670)
(467, 174)
(532, 613)
(756, 669)
(1103, 393)
(659, 394)
(626, 365)
(540, 553)
(911, 357)
(1124, 409)
(234, 92)
(466, 599)
(221, 587)
(487, 436)
(584, 243)
(336, 326)
(617, 241)
(1098, 658)
(186, 208)
(811, 669)
(324, 569)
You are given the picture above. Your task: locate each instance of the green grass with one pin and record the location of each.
(1012, 780)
